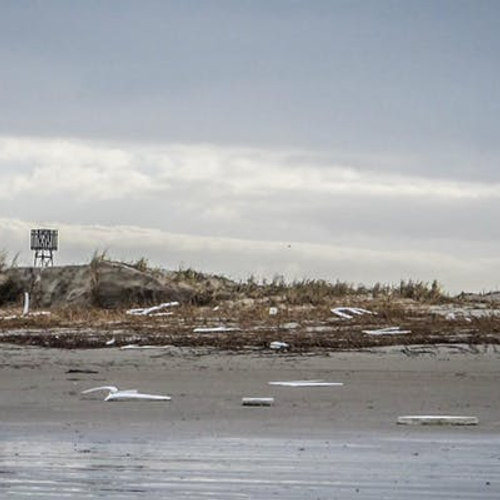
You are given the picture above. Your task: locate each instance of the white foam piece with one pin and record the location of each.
(148, 310)
(277, 345)
(135, 396)
(437, 420)
(360, 311)
(115, 394)
(215, 329)
(257, 401)
(392, 330)
(306, 383)
(340, 313)
(349, 312)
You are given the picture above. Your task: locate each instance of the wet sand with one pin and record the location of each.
(329, 442)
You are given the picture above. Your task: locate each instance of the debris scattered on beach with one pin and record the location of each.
(391, 330)
(307, 383)
(277, 345)
(216, 329)
(29, 315)
(349, 312)
(273, 311)
(111, 342)
(114, 394)
(455, 316)
(257, 401)
(437, 420)
(153, 311)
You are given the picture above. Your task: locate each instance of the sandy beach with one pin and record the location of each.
(41, 387)
(43, 413)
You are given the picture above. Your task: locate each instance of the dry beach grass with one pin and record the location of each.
(88, 306)
(246, 323)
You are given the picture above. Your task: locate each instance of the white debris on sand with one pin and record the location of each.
(349, 312)
(114, 394)
(464, 313)
(273, 311)
(391, 330)
(437, 420)
(306, 383)
(154, 310)
(277, 345)
(216, 329)
(292, 325)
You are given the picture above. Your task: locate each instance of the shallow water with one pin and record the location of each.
(414, 466)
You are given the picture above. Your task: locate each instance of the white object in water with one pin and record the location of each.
(126, 395)
(307, 383)
(437, 420)
(277, 345)
(26, 308)
(392, 330)
(349, 312)
(149, 310)
(257, 401)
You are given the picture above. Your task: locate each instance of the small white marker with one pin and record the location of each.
(26, 308)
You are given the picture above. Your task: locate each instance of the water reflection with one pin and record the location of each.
(436, 466)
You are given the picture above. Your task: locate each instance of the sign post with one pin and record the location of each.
(44, 242)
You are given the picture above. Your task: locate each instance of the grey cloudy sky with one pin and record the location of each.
(337, 139)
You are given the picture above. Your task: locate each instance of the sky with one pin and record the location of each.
(314, 139)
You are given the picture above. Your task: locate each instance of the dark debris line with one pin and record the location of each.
(331, 334)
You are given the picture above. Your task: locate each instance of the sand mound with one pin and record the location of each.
(104, 284)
